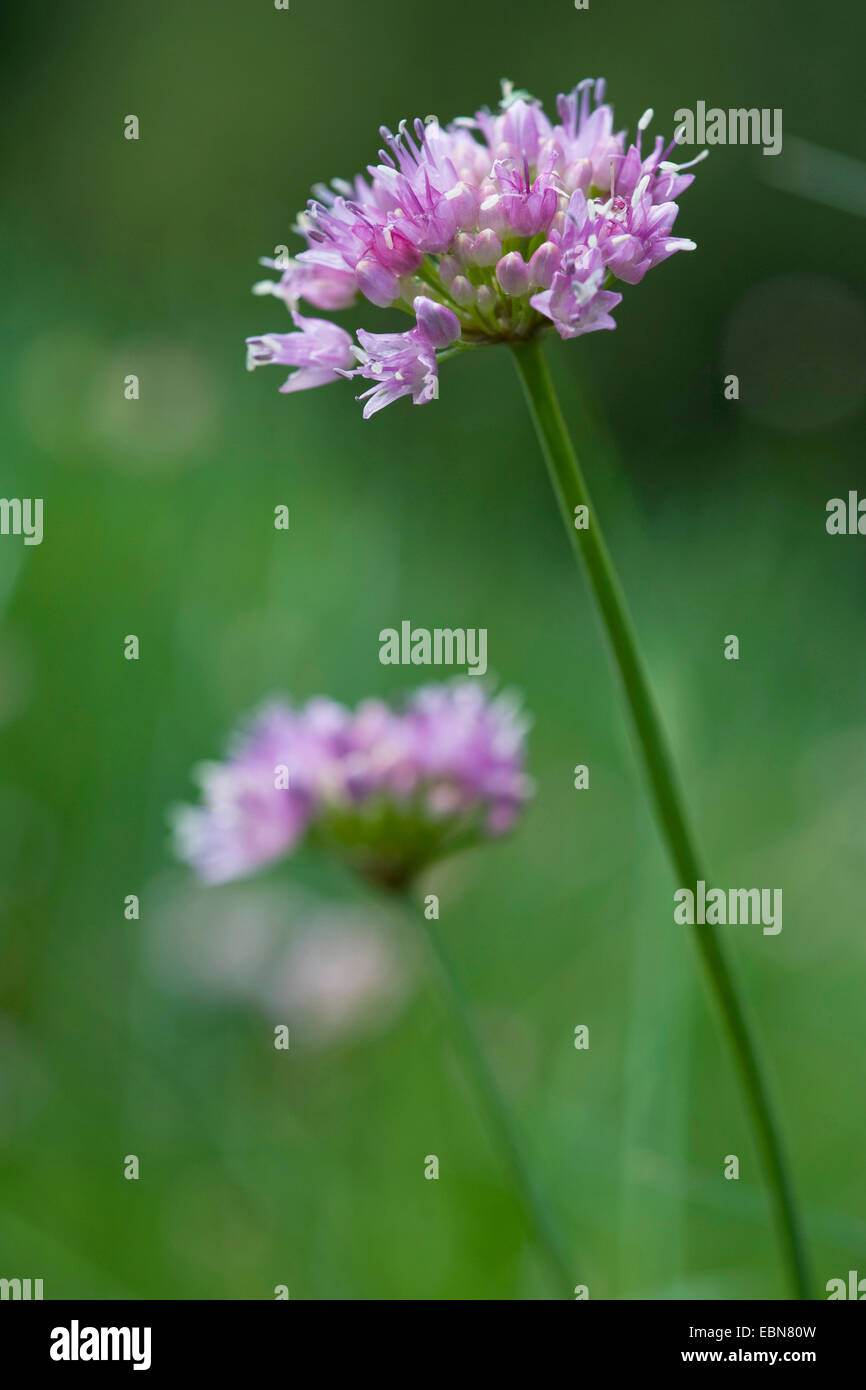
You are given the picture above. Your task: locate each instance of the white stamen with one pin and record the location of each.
(670, 168)
(640, 190)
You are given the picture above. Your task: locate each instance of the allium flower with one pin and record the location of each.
(390, 790)
(320, 349)
(493, 229)
(327, 285)
(497, 229)
(404, 364)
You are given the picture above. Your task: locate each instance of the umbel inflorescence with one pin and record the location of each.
(387, 790)
(490, 230)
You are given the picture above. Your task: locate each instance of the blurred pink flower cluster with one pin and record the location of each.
(390, 790)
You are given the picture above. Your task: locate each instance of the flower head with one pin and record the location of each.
(389, 790)
(505, 225)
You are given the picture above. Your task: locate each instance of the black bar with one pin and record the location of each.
(222, 1338)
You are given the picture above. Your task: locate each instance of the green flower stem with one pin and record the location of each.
(499, 1116)
(571, 492)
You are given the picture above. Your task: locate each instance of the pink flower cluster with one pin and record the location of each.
(389, 789)
(492, 229)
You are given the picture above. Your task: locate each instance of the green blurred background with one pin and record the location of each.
(154, 1038)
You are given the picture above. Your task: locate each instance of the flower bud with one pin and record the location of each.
(512, 273)
(557, 227)
(462, 290)
(437, 322)
(491, 215)
(449, 266)
(487, 248)
(544, 265)
(462, 202)
(577, 175)
(463, 244)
